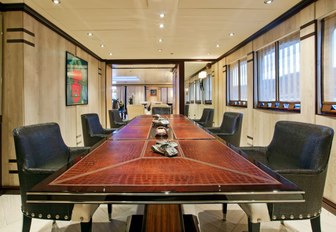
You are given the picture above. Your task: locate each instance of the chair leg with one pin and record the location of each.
(224, 210)
(109, 211)
(315, 224)
(253, 227)
(86, 226)
(26, 223)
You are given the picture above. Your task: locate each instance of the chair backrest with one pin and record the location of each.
(186, 110)
(300, 145)
(38, 147)
(209, 117)
(232, 123)
(114, 117)
(161, 110)
(204, 115)
(91, 126)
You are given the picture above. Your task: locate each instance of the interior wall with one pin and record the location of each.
(34, 85)
(258, 124)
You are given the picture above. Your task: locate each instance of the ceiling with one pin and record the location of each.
(130, 29)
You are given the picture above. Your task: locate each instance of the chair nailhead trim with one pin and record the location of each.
(315, 214)
(66, 217)
(291, 216)
(300, 216)
(57, 216)
(27, 213)
(308, 215)
(33, 215)
(283, 217)
(40, 215)
(48, 216)
(274, 217)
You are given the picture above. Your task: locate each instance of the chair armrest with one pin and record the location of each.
(224, 134)
(295, 172)
(41, 172)
(108, 131)
(77, 152)
(254, 149)
(255, 153)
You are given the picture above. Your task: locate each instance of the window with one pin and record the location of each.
(329, 65)
(192, 92)
(207, 90)
(278, 81)
(237, 83)
(198, 92)
(166, 95)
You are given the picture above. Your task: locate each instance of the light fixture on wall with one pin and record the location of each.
(268, 1)
(202, 74)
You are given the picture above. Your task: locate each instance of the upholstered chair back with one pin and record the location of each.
(299, 145)
(232, 124)
(40, 151)
(115, 118)
(186, 110)
(161, 110)
(93, 132)
(209, 117)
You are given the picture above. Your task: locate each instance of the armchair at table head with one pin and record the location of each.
(40, 151)
(161, 110)
(206, 119)
(230, 128)
(115, 119)
(300, 153)
(93, 132)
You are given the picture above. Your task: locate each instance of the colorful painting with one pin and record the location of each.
(153, 92)
(76, 80)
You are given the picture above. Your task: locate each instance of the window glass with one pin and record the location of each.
(266, 74)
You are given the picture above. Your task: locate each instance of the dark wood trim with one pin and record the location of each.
(250, 53)
(291, 12)
(25, 8)
(13, 171)
(181, 69)
(20, 41)
(12, 161)
(20, 30)
(329, 205)
(249, 137)
(308, 24)
(251, 60)
(156, 61)
(307, 36)
(1, 187)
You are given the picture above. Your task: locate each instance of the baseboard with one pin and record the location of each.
(329, 205)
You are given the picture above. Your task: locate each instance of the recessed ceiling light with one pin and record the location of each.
(102, 45)
(161, 25)
(160, 40)
(160, 50)
(56, 1)
(110, 53)
(89, 34)
(162, 15)
(268, 1)
(217, 46)
(231, 34)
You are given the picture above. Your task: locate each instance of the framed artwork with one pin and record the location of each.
(76, 80)
(153, 92)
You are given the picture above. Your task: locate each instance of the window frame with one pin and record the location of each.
(208, 91)
(276, 105)
(239, 102)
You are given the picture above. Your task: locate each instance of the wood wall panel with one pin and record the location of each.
(13, 97)
(34, 85)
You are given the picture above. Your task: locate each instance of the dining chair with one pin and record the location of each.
(115, 119)
(93, 132)
(230, 129)
(206, 119)
(299, 152)
(161, 110)
(41, 151)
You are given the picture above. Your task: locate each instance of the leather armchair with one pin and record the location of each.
(206, 119)
(299, 152)
(186, 110)
(40, 151)
(115, 119)
(230, 128)
(161, 110)
(93, 132)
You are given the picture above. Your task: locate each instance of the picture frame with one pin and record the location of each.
(153, 92)
(76, 75)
